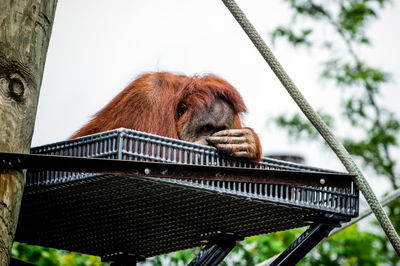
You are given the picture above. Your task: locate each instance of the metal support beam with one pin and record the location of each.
(218, 247)
(303, 244)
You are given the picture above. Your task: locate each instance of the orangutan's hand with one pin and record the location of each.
(242, 143)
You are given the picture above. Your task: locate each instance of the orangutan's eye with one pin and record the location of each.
(182, 108)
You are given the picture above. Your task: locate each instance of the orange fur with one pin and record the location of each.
(150, 104)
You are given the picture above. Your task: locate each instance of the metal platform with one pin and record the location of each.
(141, 210)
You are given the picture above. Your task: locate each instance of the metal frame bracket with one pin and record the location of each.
(219, 244)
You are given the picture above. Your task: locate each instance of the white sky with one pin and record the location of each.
(97, 47)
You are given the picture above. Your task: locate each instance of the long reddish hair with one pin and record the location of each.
(150, 103)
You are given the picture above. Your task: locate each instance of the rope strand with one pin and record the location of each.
(318, 123)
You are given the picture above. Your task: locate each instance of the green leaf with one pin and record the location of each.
(296, 39)
(300, 128)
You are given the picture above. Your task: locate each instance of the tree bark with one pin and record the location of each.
(25, 28)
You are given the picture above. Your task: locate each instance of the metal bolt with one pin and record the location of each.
(322, 181)
(147, 171)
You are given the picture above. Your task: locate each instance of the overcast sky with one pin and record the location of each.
(97, 47)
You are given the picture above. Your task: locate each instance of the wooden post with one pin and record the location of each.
(25, 28)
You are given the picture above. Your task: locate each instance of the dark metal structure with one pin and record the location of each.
(141, 195)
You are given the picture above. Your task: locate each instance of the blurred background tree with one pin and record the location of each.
(371, 129)
(337, 30)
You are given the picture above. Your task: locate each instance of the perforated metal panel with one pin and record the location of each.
(101, 214)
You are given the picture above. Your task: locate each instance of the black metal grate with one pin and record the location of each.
(130, 144)
(101, 214)
(142, 216)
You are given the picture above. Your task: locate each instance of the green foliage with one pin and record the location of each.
(349, 18)
(179, 258)
(354, 74)
(349, 247)
(299, 128)
(257, 249)
(35, 254)
(294, 38)
(38, 255)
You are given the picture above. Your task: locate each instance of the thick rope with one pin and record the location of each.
(318, 123)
